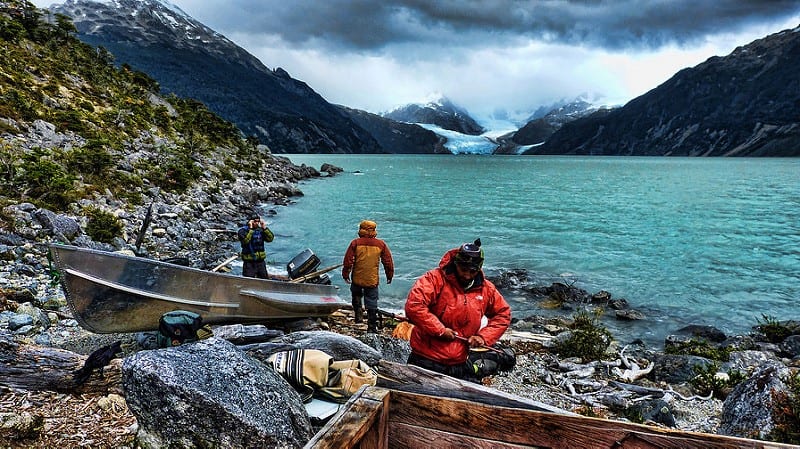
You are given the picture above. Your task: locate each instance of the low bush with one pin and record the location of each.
(589, 339)
(700, 348)
(707, 381)
(772, 329)
(102, 226)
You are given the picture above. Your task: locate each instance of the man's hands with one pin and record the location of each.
(476, 341)
(448, 334)
(254, 224)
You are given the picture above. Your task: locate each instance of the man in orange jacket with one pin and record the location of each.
(362, 258)
(447, 305)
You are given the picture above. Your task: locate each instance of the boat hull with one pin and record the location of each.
(112, 292)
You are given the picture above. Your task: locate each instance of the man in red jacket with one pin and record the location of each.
(446, 306)
(362, 258)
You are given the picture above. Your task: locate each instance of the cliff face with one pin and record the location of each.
(743, 104)
(191, 60)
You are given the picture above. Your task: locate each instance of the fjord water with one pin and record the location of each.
(684, 240)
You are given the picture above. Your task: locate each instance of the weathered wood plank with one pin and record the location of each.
(37, 368)
(377, 437)
(348, 428)
(543, 429)
(405, 436)
(413, 379)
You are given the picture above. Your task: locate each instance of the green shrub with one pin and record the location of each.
(17, 104)
(772, 329)
(11, 30)
(69, 120)
(45, 181)
(589, 340)
(102, 226)
(125, 185)
(86, 106)
(92, 159)
(700, 348)
(174, 173)
(707, 382)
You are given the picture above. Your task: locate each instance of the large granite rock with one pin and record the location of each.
(211, 394)
(747, 411)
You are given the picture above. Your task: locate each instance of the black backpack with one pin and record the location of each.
(487, 362)
(178, 327)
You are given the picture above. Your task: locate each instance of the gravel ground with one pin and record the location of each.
(82, 421)
(696, 415)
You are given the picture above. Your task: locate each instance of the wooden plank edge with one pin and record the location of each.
(348, 426)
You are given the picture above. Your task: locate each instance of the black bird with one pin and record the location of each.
(96, 360)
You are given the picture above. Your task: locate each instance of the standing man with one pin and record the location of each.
(254, 256)
(362, 258)
(446, 306)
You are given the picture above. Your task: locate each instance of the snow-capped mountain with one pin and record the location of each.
(440, 112)
(189, 59)
(149, 23)
(542, 125)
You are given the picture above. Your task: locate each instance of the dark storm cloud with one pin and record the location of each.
(373, 25)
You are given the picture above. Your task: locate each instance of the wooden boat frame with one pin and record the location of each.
(381, 418)
(415, 408)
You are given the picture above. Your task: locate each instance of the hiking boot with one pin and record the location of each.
(372, 321)
(357, 309)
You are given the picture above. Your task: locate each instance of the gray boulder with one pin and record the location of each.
(747, 411)
(61, 226)
(338, 346)
(677, 368)
(210, 394)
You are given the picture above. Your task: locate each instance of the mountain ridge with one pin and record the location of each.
(441, 112)
(696, 117)
(282, 112)
(742, 104)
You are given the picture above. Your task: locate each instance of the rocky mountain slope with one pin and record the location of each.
(87, 147)
(744, 104)
(442, 113)
(191, 60)
(398, 137)
(544, 124)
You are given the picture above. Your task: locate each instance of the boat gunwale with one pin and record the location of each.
(324, 290)
(143, 293)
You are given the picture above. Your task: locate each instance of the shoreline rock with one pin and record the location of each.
(630, 379)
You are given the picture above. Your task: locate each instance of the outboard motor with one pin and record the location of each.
(304, 263)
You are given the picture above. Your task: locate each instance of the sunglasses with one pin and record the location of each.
(468, 267)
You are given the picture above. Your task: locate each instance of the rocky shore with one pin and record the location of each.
(629, 382)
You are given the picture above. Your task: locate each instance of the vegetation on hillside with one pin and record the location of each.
(127, 138)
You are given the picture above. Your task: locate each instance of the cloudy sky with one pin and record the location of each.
(487, 55)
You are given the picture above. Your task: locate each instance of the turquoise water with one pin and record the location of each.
(684, 240)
